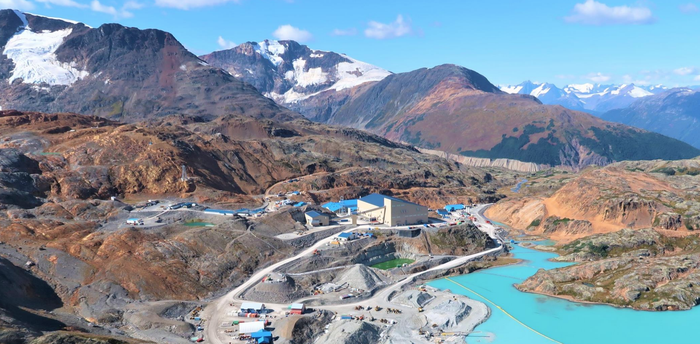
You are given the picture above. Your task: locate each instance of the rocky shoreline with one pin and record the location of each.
(642, 270)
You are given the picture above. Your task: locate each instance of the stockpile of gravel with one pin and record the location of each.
(280, 292)
(361, 277)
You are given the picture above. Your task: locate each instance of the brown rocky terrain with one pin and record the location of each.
(641, 269)
(635, 194)
(58, 172)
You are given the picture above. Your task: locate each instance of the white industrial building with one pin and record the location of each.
(392, 211)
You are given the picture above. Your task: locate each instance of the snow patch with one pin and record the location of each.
(510, 89)
(540, 90)
(356, 72)
(316, 55)
(579, 88)
(35, 60)
(271, 50)
(203, 63)
(183, 67)
(312, 76)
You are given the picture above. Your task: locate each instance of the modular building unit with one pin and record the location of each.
(251, 327)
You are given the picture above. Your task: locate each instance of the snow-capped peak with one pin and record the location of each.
(541, 90)
(579, 88)
(271, 50)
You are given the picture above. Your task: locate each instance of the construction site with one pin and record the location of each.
(362, 285)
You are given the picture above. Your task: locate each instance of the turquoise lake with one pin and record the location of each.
(563, 321)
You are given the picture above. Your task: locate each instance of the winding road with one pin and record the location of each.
(216, 310)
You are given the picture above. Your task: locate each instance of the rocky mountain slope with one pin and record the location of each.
(674, 113)
(457, 110)
(641, 269)
(122, 73)
(635, 194)
(58, 172)
(288, 72)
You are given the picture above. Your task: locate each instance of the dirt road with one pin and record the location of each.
(215, 311)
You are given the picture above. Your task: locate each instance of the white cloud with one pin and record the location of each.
(132, 5)
(189, 4)
(697, 78)
(341, 32)
(97, 6)
(225, 44)
(598, 77)
(592, 12)
(288, 32)
(685, 70)
(17, 4)
(397, 28)
(688, 8)
(67, 3)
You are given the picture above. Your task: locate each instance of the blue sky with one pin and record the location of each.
(560, 41)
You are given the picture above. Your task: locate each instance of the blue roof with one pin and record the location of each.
(300, 204)
(344, 235)
(453, 207)
(261, 334)
(335, 206)
(442, 212)
(133, 219)
(295, 192)
(377, 200)
(264, 340)
(349, 202)
(313, 214)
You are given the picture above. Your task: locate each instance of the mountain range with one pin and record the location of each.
(131, 75)
(592, 98)
(674, 113)
(122, 73)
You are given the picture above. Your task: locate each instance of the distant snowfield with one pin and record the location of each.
(35, 60)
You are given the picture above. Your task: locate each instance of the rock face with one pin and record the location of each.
(94, 72)
(639, 269)
(633, 194)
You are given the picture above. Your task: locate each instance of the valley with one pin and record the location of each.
(270, 192)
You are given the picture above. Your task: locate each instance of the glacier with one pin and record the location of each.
(35, 60)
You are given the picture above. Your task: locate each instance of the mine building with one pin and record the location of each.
(392, 211)
(316, 219)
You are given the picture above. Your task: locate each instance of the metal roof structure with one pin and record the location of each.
(377, 200)
(314, 214)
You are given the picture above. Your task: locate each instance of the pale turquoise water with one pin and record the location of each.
(564, 321)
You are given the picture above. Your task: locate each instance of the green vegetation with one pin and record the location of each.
(563, 221)
(624, 145)
(197, 223)
(393, 263)
(670, 171)
(535, 223)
